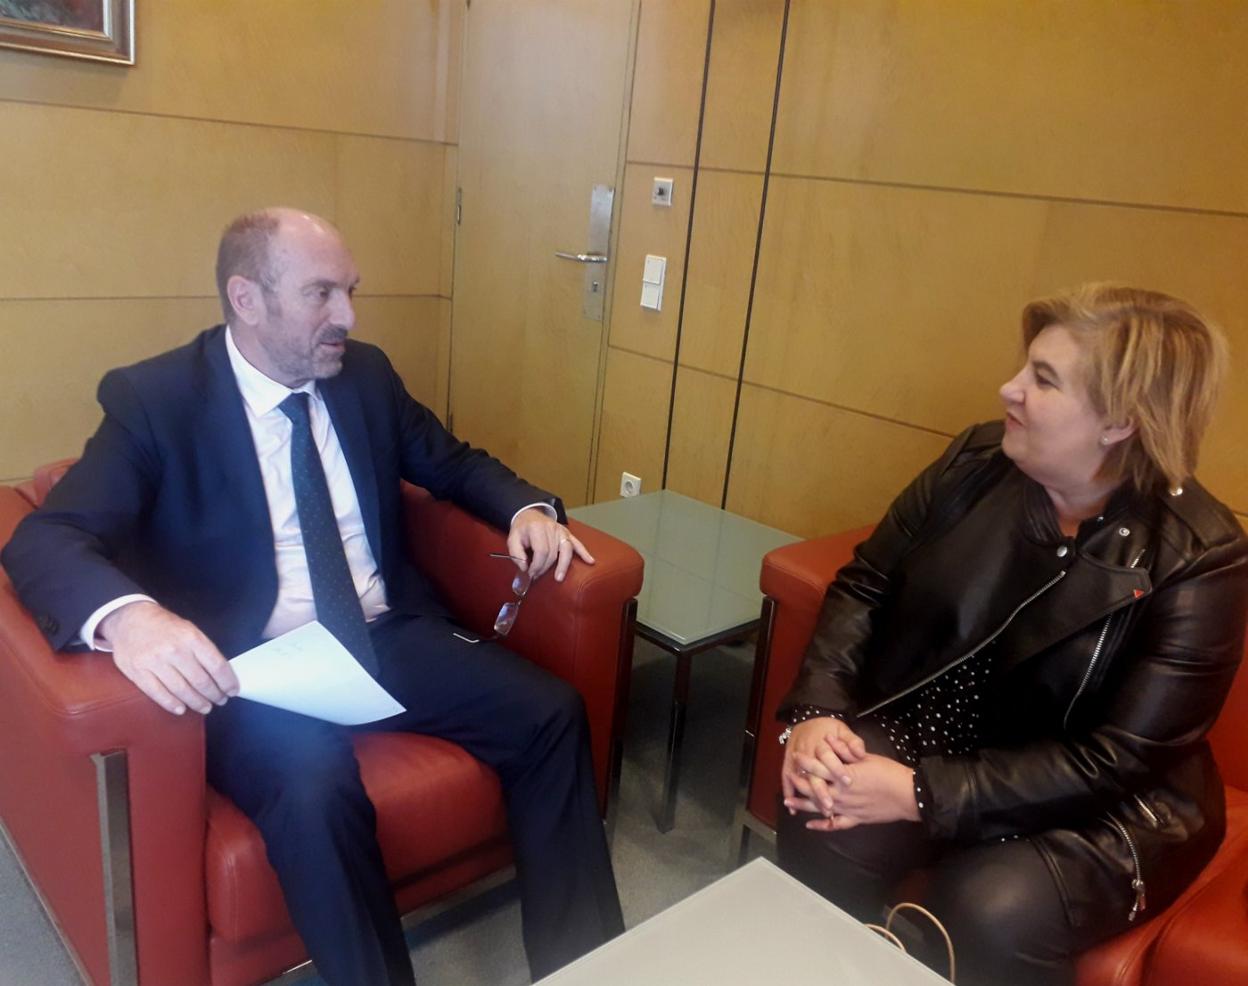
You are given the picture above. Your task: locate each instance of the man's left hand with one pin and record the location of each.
(551, 543)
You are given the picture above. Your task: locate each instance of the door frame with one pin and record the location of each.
(630, 65)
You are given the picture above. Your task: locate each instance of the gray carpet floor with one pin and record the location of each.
(479, 941)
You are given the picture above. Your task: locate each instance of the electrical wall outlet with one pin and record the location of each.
(630, 485)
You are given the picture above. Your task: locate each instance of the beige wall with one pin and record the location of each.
(934, 167)
(116, 183)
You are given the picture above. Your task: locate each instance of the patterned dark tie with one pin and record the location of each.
(337, 604)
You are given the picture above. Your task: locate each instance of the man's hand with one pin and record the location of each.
(879, 790)
(551, 543)
(168, 658)
(816, 756)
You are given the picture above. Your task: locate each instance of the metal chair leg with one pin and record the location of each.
(112, 784)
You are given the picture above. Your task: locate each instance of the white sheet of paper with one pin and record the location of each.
(308, 671)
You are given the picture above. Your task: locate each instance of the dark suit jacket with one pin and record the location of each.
(167, 498)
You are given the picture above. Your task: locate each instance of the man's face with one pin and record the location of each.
(301, 329)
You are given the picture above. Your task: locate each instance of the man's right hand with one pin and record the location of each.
(168, 658)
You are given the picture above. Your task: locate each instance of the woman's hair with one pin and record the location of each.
(1154, 361)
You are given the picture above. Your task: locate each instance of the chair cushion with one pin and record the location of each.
(1208, 941)
(434, 804)
(1124, 961)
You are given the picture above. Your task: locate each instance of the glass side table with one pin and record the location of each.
(700, 588)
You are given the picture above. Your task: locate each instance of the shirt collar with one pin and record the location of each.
(261, 393)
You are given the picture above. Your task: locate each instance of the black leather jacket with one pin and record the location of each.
(1115, 650)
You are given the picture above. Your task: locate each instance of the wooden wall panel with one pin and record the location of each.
(448, 69)
(379, 68)
(701, 428)
(811, 469)
(899, 302)
(646, 228)
(741, 84)
(1199, 258)
(667, 81)
(1094, 99)
(123, 205)
(76, 342)
(721, 262)
(409, 330)
(634, 422)
(120, 181)
(906, 302)
(55, 353)
(389, 205)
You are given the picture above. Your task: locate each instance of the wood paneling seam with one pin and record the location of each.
(232, 123)
(185, 297)
(758, 247)
(1026, 196)
(684, 271)
(706, 167)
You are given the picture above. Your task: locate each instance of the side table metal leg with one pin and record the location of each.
(739, 839)
(675, 736)
(113, 794)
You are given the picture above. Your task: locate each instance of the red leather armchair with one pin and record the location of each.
(1201, 938)
(93, 773)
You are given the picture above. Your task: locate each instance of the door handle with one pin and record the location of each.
(583, 258)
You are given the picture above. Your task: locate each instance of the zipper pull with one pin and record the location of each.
(1141, 902)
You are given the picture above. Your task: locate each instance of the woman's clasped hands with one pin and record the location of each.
(828, 771)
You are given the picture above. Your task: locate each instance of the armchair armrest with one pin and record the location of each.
(795, 579)
(579, 629)
(799, 574)
(58, 710)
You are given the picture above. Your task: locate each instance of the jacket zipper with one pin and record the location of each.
(1151, 815)
(971, 653)
(1096, 653)
(1137, 884)
(1087, 674)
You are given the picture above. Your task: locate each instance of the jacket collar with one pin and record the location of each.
(234, 383)
(1081, 580)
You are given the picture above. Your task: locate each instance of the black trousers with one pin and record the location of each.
(298, 780)
(997, 900)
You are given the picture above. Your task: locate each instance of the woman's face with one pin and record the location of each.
(1052, 432)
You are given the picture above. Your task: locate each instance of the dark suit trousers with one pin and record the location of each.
(298, 780)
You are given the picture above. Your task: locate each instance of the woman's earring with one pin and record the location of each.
(1104, 439)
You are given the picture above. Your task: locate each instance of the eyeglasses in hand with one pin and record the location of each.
(508, 612)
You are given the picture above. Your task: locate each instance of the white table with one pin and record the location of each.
(755, 927)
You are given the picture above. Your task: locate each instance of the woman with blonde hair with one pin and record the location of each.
(1010, 684)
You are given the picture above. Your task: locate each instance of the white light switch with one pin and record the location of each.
(661, 191)
(652, 282)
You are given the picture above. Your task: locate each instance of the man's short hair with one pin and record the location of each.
(244, 250)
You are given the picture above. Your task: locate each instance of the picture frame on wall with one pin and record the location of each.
(101, 30)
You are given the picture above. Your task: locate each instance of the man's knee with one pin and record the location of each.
(555, 705)
(315, 799)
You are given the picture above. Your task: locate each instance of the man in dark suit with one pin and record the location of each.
(247, 483)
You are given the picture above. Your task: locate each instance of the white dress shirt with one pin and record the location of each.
(270, 431)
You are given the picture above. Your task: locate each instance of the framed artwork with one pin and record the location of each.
(98, 29)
